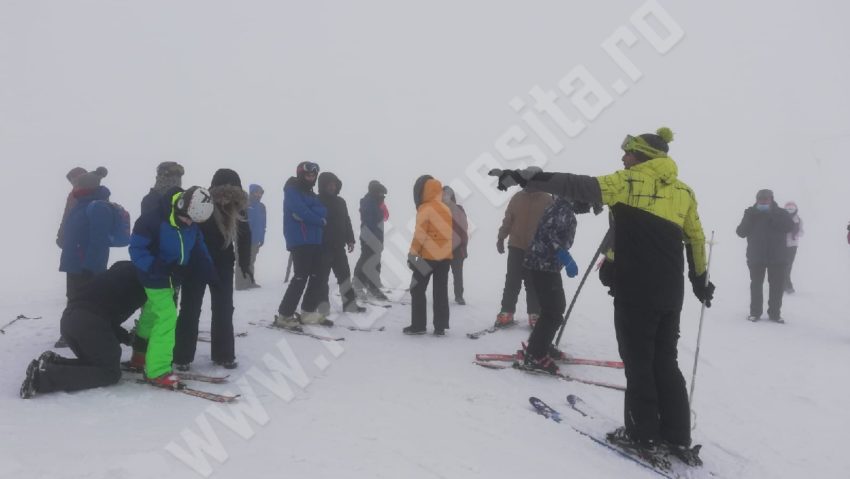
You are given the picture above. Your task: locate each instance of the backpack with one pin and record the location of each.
(119, 232)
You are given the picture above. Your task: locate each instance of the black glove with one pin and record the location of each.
(413, 262)
(606, 276)
(500, 246)
(508, 178)
(704, 292)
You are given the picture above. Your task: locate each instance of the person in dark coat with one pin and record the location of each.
(367, 271)
(304, 220)
(257, 222)
(227, 227)
(338, 238)
(460, 241)
(91, 324)
(169, 175)
(765, 226)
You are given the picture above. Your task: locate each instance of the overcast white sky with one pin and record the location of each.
(756, 92)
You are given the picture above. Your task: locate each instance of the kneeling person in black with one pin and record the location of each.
(91, 325)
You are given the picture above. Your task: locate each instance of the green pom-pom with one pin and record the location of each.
(665, 133)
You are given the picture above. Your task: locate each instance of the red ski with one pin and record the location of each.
(567, 360)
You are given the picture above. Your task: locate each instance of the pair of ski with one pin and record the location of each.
(561, 376)
(663, 464)
(190, 376)
(565, 360)
(206, 336)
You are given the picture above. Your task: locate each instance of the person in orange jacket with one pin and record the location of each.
(430, 254)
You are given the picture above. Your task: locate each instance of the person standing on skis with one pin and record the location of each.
(518, 226)
(654, 216)
(166, 241)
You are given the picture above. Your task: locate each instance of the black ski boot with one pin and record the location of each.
(648, 450)
(688, 455)
(28, 388)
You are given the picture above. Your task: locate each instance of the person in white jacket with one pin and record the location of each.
(791, 242)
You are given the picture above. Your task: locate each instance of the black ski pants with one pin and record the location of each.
(553, 303)
(222, 348)
(440, 294)
(98, 352)
(517, 275)
(306, 260)
(776, 275)
(656, 400)
(457, 276)
(335, 258)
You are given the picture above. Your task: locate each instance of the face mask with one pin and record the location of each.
(762, 207)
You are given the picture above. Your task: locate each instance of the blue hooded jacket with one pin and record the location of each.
(85, 243)
(303, 215)
(256, 217)
(161, 247)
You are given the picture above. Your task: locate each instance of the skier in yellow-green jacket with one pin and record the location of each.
(654, 214)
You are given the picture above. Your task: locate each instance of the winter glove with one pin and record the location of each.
(247, 272)
(414, 262)
(500, 246)
(350, 247)
(567, 260)
(508, 178)
(704, 292)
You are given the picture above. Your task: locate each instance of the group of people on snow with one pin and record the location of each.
(175, 249)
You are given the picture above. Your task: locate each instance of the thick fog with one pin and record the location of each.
(756, 93)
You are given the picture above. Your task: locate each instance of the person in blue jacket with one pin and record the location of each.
(85, 235)
(257, 223)
(304, 219)
(166, 241)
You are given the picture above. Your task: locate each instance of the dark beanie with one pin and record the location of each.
(74, 173)
(90, 180)
(226, 176)
(376, 188)
(764, 194)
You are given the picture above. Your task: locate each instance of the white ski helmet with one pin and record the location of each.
(195, 204)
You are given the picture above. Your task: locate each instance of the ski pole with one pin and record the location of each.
(599, 251)
(20, 316)
(699, 333)
(288, 269)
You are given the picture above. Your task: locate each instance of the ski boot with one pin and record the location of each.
(411, 331)
(354, 308)
(504, 320)
(648, 450)
(231, 364)
(182, 367)
(30, 384)
(378, 294)
(287, 322)
(166, 381)
(137, 361)
(688, 455)
(544, 364)
(753, 318)
(777, 319)
(316, 318)
(459, 300)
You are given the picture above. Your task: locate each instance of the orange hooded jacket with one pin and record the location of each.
(432, 239)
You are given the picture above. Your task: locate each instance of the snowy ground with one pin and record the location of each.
(770, 399)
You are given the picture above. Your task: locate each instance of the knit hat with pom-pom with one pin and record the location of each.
(649, 145)
(90, 180)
